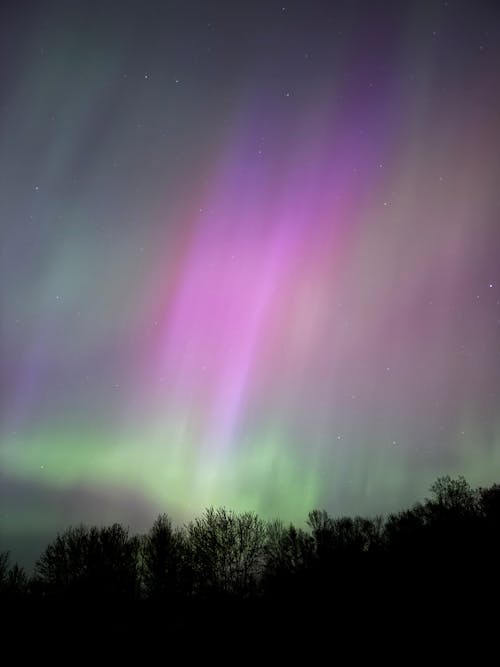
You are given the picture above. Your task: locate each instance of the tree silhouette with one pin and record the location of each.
(14, 582)
(164, 564)
(4, 569)
(490, 503)
(289, 554)
(17, 581)
(404, 531)
(226, 551)
(344, 536)
(454, 497)
(430, 567)
(89, 562)
(288, 549)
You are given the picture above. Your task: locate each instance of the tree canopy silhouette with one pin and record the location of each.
(235, 570)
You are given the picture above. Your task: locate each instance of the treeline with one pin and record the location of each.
(450, 541)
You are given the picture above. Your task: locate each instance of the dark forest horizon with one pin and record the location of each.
(424, 574)
(454, 496)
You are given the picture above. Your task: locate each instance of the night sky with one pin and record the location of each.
(250, 256)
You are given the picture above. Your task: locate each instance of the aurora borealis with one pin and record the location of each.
(250, 257)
